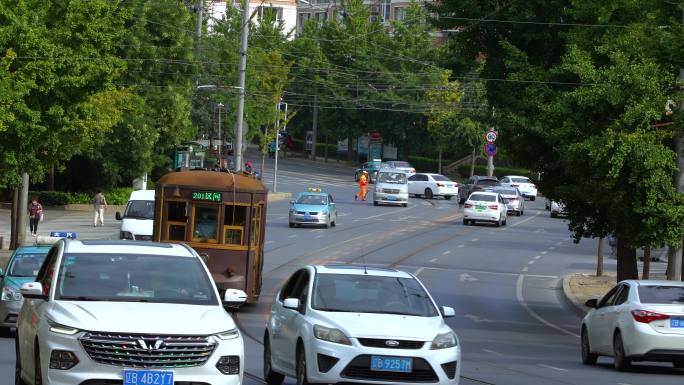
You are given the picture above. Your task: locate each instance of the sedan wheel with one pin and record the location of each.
(271, 377)
(428, 193)
(447, 197)
(498, 223)
(466, 222)
(588, 358)
(301, 368)
(621, 362)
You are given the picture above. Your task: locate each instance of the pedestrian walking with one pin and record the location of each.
(363, 183)
(35, 211)
(613, 243)
(100, 204)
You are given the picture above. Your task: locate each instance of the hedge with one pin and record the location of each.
(117, 196)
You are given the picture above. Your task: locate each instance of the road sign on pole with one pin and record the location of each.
(490, 149)
(490, 136)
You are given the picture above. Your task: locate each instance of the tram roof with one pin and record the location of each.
(213, 179)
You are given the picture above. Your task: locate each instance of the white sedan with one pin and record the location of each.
(524, 184)
(636, 321)
(351, 324)
(485, 207)
(431, 185)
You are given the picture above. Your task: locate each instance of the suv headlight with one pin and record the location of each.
(229, 334)
(331, 335)
(444, 341)
(62, 329)
(11, 294)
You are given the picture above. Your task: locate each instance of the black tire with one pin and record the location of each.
(620, 361)
(334, 223)
(428, 194)
(466, 222)
(553, 215)
(375, 203)
(678, 364)
(292, 224)
(327, 224)
(518, 213)
(405, 204)
(271, 377)
(37, 373)
(498, 223)
(533, 199)
(448, 197)
(5, 332)
(522, 213)
(301, 367)
(505, 222)
(17, 365)
(588, 358)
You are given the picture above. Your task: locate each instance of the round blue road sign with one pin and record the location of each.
(490, 149)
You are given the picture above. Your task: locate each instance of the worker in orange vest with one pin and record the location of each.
(363, 182)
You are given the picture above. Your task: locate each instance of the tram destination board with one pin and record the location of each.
(210, 196)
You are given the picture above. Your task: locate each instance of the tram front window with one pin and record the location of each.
(206, 219)
(235, 221)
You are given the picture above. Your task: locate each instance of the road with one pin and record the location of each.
(514, 326)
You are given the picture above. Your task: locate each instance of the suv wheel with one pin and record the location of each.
(271, 377)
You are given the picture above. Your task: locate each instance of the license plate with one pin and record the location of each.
(480, 208)
(391, 198)
(307, 216)
(677, 323)
(147, 377)
(391, 364)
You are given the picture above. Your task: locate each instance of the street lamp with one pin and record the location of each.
(220, 106)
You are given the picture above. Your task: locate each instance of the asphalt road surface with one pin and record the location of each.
(514, 325)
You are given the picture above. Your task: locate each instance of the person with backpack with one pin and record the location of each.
(35, 211)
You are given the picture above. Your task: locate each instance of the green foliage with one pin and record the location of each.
(117, 196)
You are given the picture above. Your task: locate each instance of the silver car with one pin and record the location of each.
(399, 165)
(515, 201)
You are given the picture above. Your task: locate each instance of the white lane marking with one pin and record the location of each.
(420, 270)
(526, 269)
(446, 252)
(544, 252)
(553, 367)
(477, 319)
(268, 242)
(521, 222)
(433, 260)
(484, 272)
(475, 239)
(293, 236)
(492, 352)
(537, 256)
(459, 246)
(552, 248)
(467, 277)
(521, 301)
(530, 262)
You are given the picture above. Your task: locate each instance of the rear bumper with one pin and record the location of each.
(489, 216)
(642, 342)
(443, 191)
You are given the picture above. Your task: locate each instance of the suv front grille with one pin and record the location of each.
(381, 343)
(390, 191)
(148, 351)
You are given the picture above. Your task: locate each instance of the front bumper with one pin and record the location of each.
(430, 366)
(8, 313)
(642, 342)
(386, 198)
(302, 219)
(88, 369)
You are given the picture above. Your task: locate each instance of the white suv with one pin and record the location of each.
(126, 312)
(345, 323)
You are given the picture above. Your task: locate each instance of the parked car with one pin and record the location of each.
(356, 324)
(557, 209)
(391, 188)
(102, 311)
(476, 183)
(524, 184)
(431, 185)
(485, 206)
(371, 167)
(402, 166)
(137, 222)
(515, 200)
(313, 207)
(636, 321)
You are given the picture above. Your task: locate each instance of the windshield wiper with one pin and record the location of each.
(80, 298)
(128, 299)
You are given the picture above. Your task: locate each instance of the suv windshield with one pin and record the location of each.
(26, 265)
(371, 294)
(134, 278)
(661, 294)
(312, 200)
(139, 210)
(392, 177)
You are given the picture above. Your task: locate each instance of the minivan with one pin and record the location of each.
(391, 187)
(137, 221)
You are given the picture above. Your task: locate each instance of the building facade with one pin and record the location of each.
(284, 10)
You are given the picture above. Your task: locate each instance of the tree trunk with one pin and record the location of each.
(599, 259)
(472, 164)
(647, 263)
(439, 161)
(350, 150)
(51, 179)
(674, 263)
(325, 150)
(626, 261)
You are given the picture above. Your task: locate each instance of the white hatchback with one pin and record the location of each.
(351, 324)
(126, 312)
(432, 185)
(636, 321)
(524, 184)
(485, 206)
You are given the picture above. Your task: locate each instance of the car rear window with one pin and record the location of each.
(661, 294)
(441, 178)
(402, 164)
(483, 198)
(488, 182)
(504, 191)
(521, 180)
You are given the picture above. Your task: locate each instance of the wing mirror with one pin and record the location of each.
(33, 290)
(292, 202)
(447, 311)
(592, 303)
(118, 216)
(234, 298)
(291, 303)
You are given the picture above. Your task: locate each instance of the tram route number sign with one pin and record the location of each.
(209, 196)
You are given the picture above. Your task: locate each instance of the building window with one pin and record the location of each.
(271, 13)
(385, 8)
(399, 13)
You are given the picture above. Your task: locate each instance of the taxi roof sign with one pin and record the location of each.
(314, 189)
(63, 234)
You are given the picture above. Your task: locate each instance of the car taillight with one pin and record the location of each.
(646, 316)
(440, 184)
(534, 187)
(468, 205)
(512, 199)
(493, 207)
(412, 170)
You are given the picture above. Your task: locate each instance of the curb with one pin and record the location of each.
(570, 298)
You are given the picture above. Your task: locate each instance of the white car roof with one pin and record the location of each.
(142, 195)
(655, 282)
(127, 247)
(359, 270)
(516, 176)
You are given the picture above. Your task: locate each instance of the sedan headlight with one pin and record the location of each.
(331, 335)
(62, 329)
(444, 341)
(324, 211)
(229, 334)
(11, 294)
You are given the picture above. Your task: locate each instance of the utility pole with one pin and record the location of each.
(198, 31)
(242, 69)
(22, 210)
(275, 169)
(220, 106)
(314, 128)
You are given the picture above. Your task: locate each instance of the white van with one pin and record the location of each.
(391, 187)
(137, 221)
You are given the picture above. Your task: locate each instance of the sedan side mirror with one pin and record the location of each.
(292, 202)
(234, 297)
(291, 303)
(118, 216)
(447, 311)
(592, 303)
(33, 290)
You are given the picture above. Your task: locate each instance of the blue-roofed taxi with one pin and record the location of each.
(313, 207)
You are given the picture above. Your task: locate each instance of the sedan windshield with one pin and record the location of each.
(371, 294)
(26, 265)
(140, 210)
(312, 200)
(661, 294)
(392, 177)
(134, 278)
